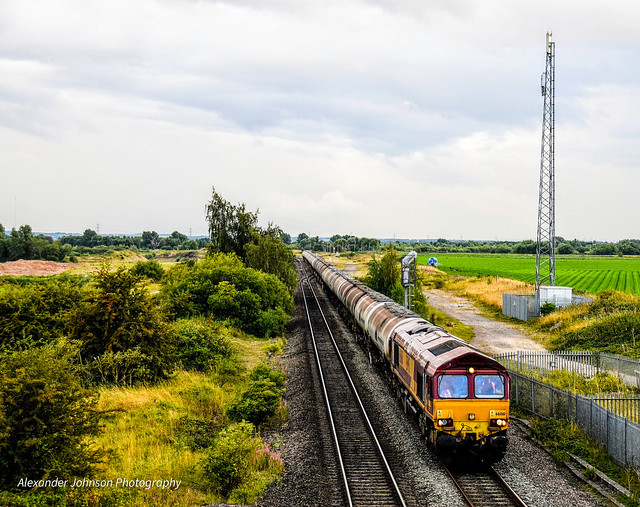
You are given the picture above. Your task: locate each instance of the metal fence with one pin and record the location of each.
(520, 306)
(620, 435)
(527, 306)
(585, 363)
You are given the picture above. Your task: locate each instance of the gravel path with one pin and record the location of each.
(492, 336)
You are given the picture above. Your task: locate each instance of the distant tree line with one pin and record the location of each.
(150, 240)
(337, 243)
(347, 243)
(22, 243)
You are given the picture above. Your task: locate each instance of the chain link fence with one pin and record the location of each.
(585, 363)
(595, 415)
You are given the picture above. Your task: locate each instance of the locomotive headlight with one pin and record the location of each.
(472, 417)
(471, 370)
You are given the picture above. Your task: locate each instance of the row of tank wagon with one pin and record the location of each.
(458, 395)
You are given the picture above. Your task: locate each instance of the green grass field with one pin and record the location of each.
(591, 274)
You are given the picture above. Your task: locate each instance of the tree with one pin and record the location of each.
(3, 244)
(230, 227)
(525, 247)
(269, 254)
(45, 416)
(604, 249)
(565, 248)
(150, 239)
(20, 244)
(384, 275)
(629, 247)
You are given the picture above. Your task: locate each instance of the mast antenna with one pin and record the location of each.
(545, 248)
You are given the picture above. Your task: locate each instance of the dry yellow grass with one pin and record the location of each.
(140, 434)
(355, 266)
(141, 430)
(488, 290)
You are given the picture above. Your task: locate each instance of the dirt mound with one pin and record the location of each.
(23, 268)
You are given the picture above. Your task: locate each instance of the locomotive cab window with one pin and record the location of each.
(488, 386)
(453, 386)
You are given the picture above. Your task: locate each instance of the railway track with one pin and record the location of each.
(365, 472)
(484, 487)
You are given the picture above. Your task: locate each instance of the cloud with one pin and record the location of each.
(368, 117)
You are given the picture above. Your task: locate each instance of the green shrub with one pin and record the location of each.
(223, 288)
(45, 416)
(547, 308)
(613, 301)
(256, 403)
(148, 269)
(265, 372)
(35, 312)
(602, 382)
(615, 333)
(196, 433)
(118, 316)
(200, 343)
(227, 464)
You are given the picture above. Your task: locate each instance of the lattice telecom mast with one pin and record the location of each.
(545, 250)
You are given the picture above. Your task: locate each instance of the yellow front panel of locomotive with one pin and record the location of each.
(471, 416)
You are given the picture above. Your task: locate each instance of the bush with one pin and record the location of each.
(615, 333)
(119, 318)
(547, 308)
(196, 433)
(265, 372)
(45, 416)
(123, 367)
(613, 301)
(148, 269)
(200, 344)
(262, 397)
(227, 463)
(223, 288)
(257, 403)
(36, 313)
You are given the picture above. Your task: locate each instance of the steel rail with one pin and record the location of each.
(325, 394)
(352, 385)
(491, 473)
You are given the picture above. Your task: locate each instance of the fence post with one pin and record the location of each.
(533, 397)
(607, 430)
(626, 444)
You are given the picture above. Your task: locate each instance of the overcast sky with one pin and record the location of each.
(381, 118)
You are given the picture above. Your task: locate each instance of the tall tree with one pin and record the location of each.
(268, 253)
(230, 227)
(384, 274)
